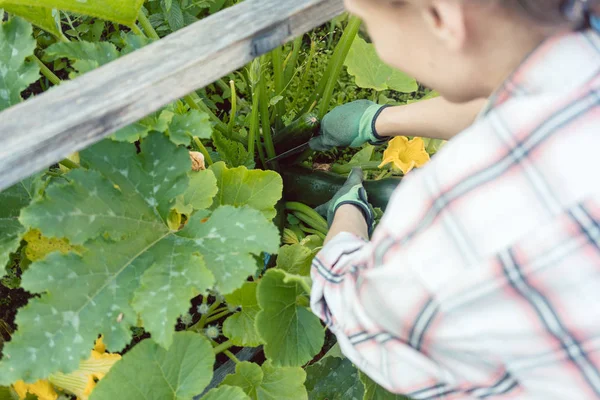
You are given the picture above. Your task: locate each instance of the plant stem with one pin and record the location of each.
(307, 66)
(218, 310)
(347, 168)
(265, 120)
(312, 231)
(195, 102)
(223, 346)
(135, 29)
(330, 77)
(231, 356)
(217, 316)
(69, 164)
(305, 286)
(198, 326)
(46, 71)
(293, 60)
(202, 150)
(252, 135)
(337, 63)
(308, 215)
(146, 25)
(311, 222)
(278, 77)
(233, 113)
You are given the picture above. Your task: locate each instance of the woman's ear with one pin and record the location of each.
(447, 21)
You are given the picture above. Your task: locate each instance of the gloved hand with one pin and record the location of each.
(353, 193)
(350, 125)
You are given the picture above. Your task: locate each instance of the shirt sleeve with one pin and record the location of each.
(380, 312)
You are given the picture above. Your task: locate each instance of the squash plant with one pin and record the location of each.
(134, 246)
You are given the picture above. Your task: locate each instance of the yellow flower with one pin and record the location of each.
(42, 389)
(405, 154)
(82, 382)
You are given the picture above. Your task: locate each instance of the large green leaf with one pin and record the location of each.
(240, 327)
(372, 73)
(194, 123)
(13, 200)
(199, 193)
(232, 152)
(226, 393)
(151, 372)
(134, 265)
(16, 74)
(375, 392)
(292, 333)
(41, 17)
(268, 382)
(122, 11)
(255, 188)
(86, 56)
(333, 378)
(296, 259)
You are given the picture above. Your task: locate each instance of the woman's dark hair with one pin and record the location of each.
(557, 11)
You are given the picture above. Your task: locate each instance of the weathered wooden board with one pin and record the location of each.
(68, 118)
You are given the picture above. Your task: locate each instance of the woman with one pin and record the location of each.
(483, 278)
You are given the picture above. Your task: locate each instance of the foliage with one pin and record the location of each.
(16, 44)
(134, 263)
(169, 265)
(268, 382)
(371, 72)
(124, 12)
(333, 378)
(150, 371)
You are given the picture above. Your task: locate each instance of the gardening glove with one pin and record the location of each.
(350, 125)
(354, 193)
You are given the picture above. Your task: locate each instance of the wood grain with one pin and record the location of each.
(76, 114)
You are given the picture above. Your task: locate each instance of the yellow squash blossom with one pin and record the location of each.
(405, 154)
(42, 389)
(80, 382)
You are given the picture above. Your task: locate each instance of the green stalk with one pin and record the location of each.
(312, 231)
(233, 113)
(254, 121)
(311, 222)
(135, 29)
(265, 120)
(147, 26)
(200, 324)
(69, 164)
(46, 71)
(308, 215)
(231, 356)
(329, 80)
(217, 316)
(307, 66)
(223, 346)
(337, 63)
(202, 150)
(278, 76)
(347, 168)
(293, 60)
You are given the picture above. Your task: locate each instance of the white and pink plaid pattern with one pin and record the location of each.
(483, 278)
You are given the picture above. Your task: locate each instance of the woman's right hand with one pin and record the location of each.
(350, 125)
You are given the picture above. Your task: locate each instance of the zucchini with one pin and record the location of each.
(314, 188)
(296, 134)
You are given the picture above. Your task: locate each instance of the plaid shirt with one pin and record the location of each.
(483, 278)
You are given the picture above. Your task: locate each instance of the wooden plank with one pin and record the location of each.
(68, 118)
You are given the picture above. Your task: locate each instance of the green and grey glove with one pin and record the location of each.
(350, 125)
(353, 193)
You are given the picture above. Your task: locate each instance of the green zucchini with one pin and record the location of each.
(296, 134)
(314, 188)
